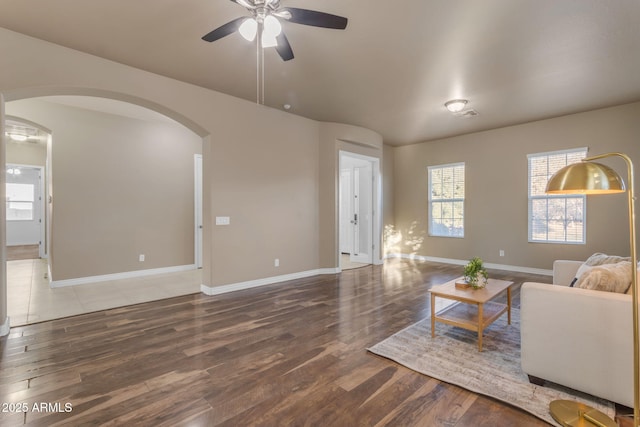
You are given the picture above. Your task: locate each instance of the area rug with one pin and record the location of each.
(453, 357)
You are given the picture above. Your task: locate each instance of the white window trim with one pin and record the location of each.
(551, 153)
(429, 217)
(530, 198)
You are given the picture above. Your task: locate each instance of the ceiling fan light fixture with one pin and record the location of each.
(272, 26)
(248, 29)
(456, 105)
(269, 40)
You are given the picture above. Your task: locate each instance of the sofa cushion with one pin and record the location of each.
(607, 277)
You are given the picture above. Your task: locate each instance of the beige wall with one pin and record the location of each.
(389, 214)
(263, 167)
(264, 176)
(496, 189)
(122, 187)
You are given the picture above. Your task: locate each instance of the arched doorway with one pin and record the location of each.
(142, 257)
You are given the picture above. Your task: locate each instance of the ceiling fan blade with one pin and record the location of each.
(224, 30)
(284, 48)
(315, 18)
(244, 3)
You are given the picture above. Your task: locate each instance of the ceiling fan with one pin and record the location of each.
(264, 22)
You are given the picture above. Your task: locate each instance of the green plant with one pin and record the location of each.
(475, 274)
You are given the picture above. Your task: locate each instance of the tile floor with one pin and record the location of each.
(346, 264)
(30, 299)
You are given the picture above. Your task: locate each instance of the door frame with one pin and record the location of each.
(4, 318)
(376, 203)
(344, 237)
(198, 221)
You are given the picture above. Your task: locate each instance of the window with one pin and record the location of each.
(554, 218)
(20, 198)
(446, 200)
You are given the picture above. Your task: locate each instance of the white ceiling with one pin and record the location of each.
(393, 67)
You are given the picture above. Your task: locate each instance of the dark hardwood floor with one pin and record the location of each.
(291, 354)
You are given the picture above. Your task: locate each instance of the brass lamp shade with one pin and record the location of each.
(585, 178)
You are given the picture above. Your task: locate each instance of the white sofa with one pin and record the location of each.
(579, 338)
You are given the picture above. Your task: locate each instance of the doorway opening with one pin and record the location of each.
(26, 189)
(358, 218)
(25, 212)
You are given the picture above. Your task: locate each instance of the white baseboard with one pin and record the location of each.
(5, 328)
(504, 267)
(117, 276)
(217, 290)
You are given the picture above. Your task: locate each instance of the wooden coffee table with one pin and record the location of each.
(477, 310)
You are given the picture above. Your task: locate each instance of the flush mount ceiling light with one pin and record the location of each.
(18, 137)
(456, 105)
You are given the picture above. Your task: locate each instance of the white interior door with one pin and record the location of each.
(362, 213)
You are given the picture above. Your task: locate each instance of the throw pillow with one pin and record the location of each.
(600, 259)
(608, 278)
(583, 269)
(594, 260)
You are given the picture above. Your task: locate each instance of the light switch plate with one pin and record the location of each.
(223, 220)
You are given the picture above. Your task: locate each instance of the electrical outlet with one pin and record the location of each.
(501, 252)
(276, 263)
(141, 258)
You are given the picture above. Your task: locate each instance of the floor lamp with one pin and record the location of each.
(588, 177)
